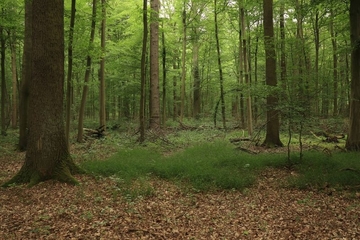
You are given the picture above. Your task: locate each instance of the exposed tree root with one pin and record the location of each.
(63, 173)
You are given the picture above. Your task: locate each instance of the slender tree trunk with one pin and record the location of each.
(87, 76)
(241, 67)
(154, 66)
(102, 66)
(196, 75)
(335, 66)
(26, 78)
(175, 97)
(143, 74)
(3, 80)
(317, 48)
(246, 73)
(47, 155)
(164, 70)
(14, 97)
(272, 138)
(69, 87)
(221, 78)
(353, 140)
(183, 66)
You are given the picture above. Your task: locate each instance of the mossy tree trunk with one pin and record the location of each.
(47, 155)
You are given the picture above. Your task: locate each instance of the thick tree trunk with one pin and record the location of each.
(353, 140)
(272, 138)
(154, 66)
(47, 155)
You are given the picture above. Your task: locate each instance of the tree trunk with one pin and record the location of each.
(69, 87)
(3, 80)
(14, 97)
(26, 78)
(246, 72)
(143, 74)
(102, 66)
(164, 70)
(183, 66)
(272, 138)
(335, 65)
(154, 66)
(353, 140)
(196, 75)
(87, 76)
(221, 78)
(47, 155)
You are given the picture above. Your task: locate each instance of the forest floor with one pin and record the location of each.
(95, 210)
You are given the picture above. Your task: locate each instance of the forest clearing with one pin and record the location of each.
(150, 207)
(184, 119)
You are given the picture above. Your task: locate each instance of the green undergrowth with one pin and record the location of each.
(217, 165)
(319, 170)
(204, 167)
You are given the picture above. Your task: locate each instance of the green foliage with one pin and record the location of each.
(205, 166)
(318, 170)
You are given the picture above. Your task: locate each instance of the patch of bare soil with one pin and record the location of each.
(96, 210)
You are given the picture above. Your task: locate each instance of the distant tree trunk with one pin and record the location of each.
(154, 65)
(175, 97)
(14, 96)
(183, 66)
(26, 78)
(317, 48)
(102, 66)
(196, 75)
(164, 70)
(241, 68)
(246, 73)
(272, 138)
(87, 76)
(353, 140)
(69, 87)
(47, 155)
(335, 65)
(143, 74)
(3, 80)
(221, 78)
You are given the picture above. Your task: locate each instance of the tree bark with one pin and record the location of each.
(221, 78)
(69, 87)
(47, 155)
(102, 66)
(143, 74)
(196, 75)
(272, 138)
(353, 140)
(154, 66)
(26, 78)
(183, 66)
(3, 80)
(14, 96)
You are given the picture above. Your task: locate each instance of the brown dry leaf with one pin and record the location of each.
(53, 210)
